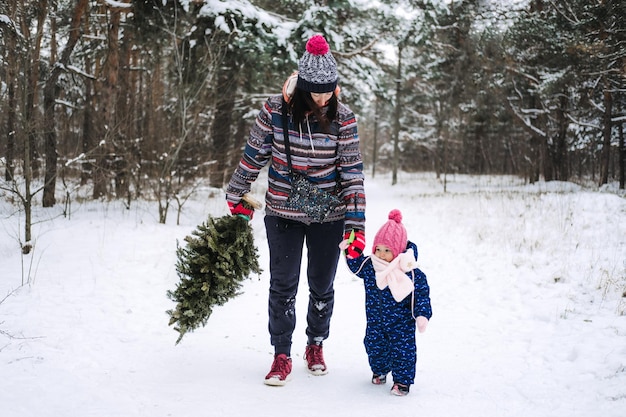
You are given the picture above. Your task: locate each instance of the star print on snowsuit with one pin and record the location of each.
(390, 333)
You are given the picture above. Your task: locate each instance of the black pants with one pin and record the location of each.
(286, 239)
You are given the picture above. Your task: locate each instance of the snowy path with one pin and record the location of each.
(526, 286)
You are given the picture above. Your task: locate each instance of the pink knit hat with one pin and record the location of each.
(392, 234)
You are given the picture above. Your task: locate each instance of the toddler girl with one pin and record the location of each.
(396, 302)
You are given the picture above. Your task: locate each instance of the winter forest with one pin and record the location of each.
(495, 126)
(145, 99)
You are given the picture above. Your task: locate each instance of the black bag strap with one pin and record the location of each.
(286, 134)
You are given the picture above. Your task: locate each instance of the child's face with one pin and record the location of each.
(384, 253)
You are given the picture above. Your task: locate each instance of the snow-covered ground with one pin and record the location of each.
(527, 288)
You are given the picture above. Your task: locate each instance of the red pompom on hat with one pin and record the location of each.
(317, 69)
(317, 45)
(392, 234)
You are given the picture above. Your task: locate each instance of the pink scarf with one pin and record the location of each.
(393, 274)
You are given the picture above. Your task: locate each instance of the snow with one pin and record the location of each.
(278, 25)
(527, 283)
(118, 4)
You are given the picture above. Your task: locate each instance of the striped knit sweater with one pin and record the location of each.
(326, 159)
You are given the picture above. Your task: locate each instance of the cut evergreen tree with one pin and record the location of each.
(218, 255)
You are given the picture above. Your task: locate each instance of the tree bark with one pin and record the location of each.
(11, 104)
(109, 96)
(606, 133)
(221, 129)
(622, 155)
(32, 71)
(50, 93)
(87, 122)
(123, 145)
(396, 120)
(560, 150)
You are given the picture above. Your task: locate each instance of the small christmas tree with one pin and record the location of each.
(218, 256)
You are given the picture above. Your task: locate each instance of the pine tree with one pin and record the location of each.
(216, 259)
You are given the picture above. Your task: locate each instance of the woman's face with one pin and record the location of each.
(321, 99)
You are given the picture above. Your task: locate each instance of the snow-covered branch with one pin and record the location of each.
(356, 51)
(116, 4)
(526, 122)
(573, 20)
(523, 74)
(6, 20)
(73, 160)
(79, 71)
(583, 124)
(597, 106)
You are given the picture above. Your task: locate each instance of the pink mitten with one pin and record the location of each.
(422, 322)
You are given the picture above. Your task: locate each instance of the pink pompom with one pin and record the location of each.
(317, 45)
(395, 215)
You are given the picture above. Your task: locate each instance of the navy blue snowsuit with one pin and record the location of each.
(390, 333)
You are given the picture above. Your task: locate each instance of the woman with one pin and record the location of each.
(324, 148)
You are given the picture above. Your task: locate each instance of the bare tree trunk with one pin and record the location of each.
(396, 121)
(10, 150)
(132, 126)
(109, 97)
(221, 129)
(439, 136)
(240, 136)
(50, 93)
(32, 71)
(622, 155)
(534, 153)
(534, 159)
(546, 160)
(375, 144)
(123, 152)
(50, 136)
(88, 126)
(11, 102)
(560, 151)
(27, 198)
(606, 133)
(88, 130)
(49, 125)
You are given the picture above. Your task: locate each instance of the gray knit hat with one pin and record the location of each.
(317, 69)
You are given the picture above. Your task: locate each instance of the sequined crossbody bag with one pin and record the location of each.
(305, 196)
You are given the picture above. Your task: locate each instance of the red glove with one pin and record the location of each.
(240, 210)
(356, 243)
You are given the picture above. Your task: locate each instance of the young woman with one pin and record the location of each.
(324, 148)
